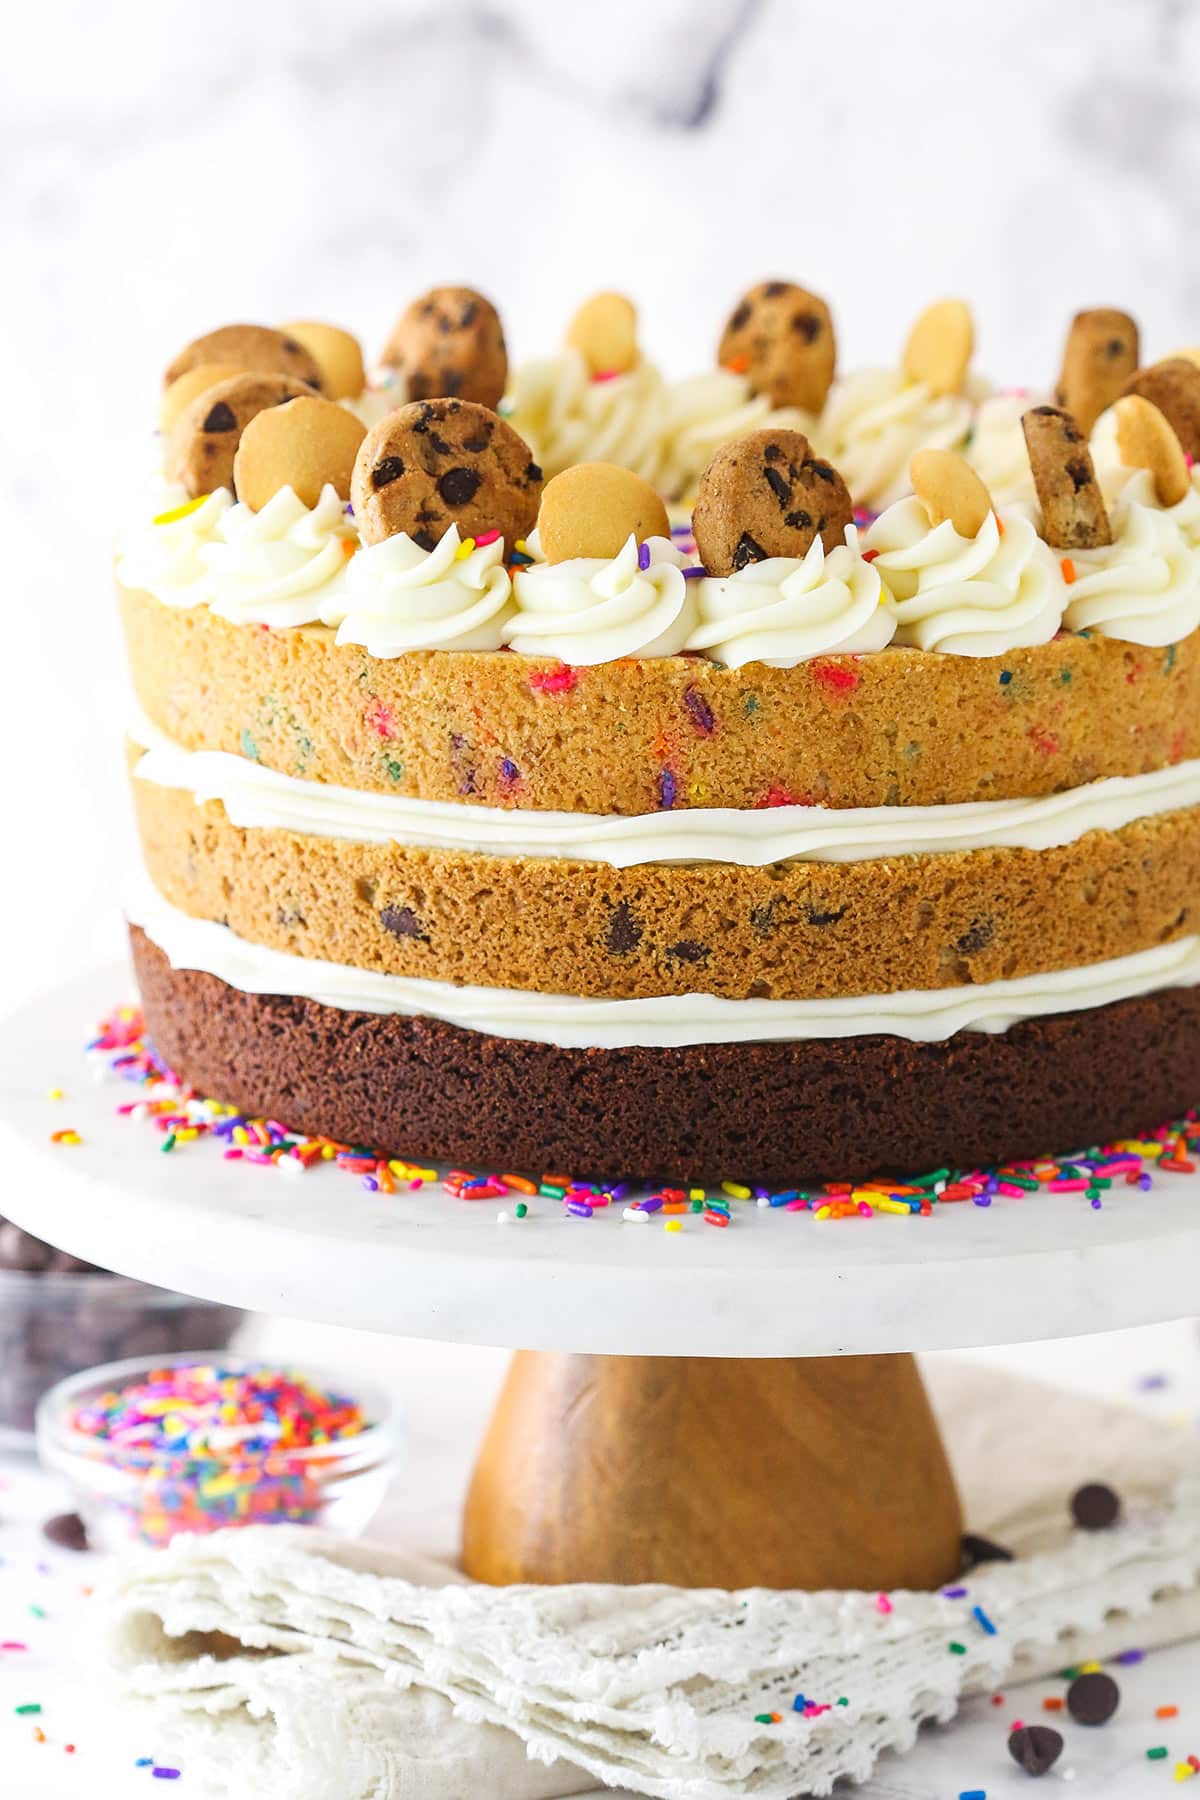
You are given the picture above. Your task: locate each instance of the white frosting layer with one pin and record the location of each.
(665, 431)
(873, 422)
(1144, 587)
(400, 597)
(786, 610)
(255, 797)
(983, 596)
(594, 609)
(669, 1021)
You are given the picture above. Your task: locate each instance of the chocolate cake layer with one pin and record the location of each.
(771, 1112)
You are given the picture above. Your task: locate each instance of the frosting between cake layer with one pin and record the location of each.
(671, 1021)
(257, 798)
(999, 591)
(592, 610)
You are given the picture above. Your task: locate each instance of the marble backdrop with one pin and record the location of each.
(165, 168)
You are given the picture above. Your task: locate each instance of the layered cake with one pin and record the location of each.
(778, 774)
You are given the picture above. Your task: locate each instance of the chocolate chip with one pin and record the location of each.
(441, 445)
(772, 453)
(476, 445)
(976, 1550)
(808, 325)
(1094, 1507)
(403, 922)
(533, 472)
(747, 551)
(452, 381)
(425, 539)
(390, 469)
(220, 418)
(762, 918)
(822, 470)
(459, 486)
(1093, 1699)
(741, 316)
(778, 486)
(67, 1530)
(1081, 475)
(469, 314)
(624, 932)
(800, 520)
(1036, 1748)
(815, 916)
(689, 951)
(977, 938)
(773, 289)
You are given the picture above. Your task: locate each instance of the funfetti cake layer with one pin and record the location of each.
(791, 854)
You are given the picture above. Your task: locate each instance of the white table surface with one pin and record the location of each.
(445, 1392)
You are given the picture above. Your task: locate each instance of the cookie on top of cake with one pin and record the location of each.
(532, 832)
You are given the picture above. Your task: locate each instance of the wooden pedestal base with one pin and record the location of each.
(709, 1472)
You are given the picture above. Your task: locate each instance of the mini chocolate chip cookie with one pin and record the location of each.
(1100, 356)
(782, 338)
(252, 347)
(449, 344)
(1174, 387)
(204, 440)
(437, 463)
(767, 495)
(1074, 516)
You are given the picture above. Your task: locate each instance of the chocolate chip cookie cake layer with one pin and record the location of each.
(487, 819)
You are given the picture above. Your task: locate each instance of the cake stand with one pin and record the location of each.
(728, 1407)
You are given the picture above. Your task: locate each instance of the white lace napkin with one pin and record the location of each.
(288, 1662)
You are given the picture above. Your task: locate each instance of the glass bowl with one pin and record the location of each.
(53, 1324)
(137, 1494)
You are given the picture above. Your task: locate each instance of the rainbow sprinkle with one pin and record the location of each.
(183, 1117)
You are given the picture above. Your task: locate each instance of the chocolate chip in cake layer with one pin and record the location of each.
(624, 932)
(403, 922)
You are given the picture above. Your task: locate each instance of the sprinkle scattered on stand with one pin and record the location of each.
(182, 1117)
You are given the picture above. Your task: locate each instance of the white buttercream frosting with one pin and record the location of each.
(400, 597)
(385, 391)
(786, 610)
(164, 556)
(702, 413)
(666, 431)
(567, 417)
(595, 609)
(998, 591)
(258, 798)
(283, 565)
(997, 449)
(667, 1021)
(1144, 587)
(873, 422)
